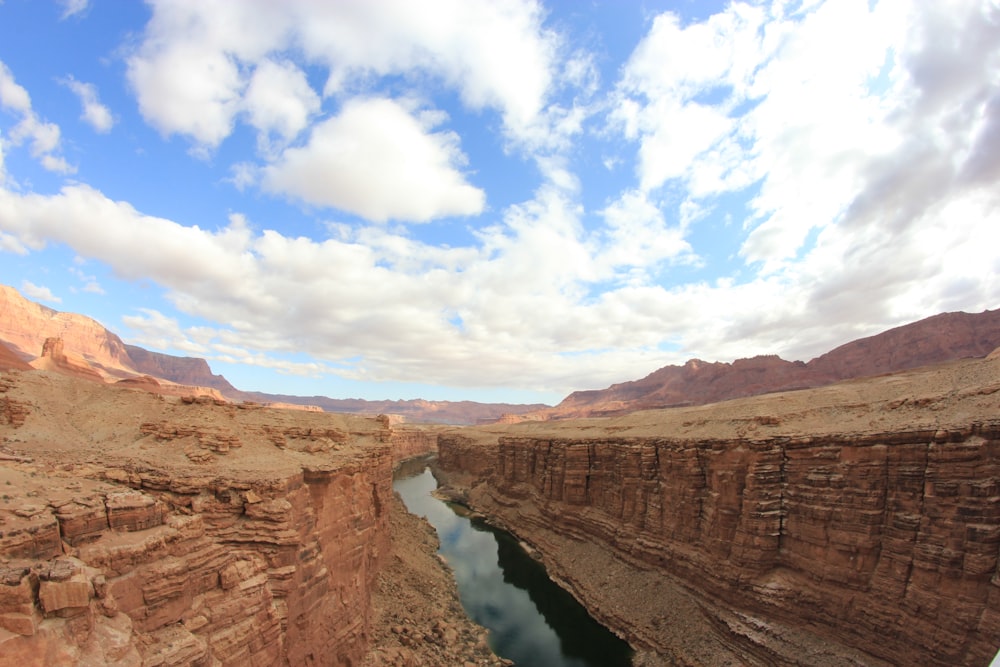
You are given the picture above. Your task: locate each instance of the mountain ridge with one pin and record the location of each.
(935, 339)
(25, 326)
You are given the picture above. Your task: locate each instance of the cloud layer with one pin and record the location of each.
(860, 139)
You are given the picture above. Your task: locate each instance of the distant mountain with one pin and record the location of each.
(182, 370)
(35, 336)
(418, 410)
(933, 340)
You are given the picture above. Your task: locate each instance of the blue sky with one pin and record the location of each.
(497, 201)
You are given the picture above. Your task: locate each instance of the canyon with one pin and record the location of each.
(145, 521)
(857, 523)
(142, 529)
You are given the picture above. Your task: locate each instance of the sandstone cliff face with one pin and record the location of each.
(880, 540)
(24, 326)
(192, 574)
(54, 358)
(136, 529)
(182, 370)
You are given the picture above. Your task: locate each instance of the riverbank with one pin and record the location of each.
(853, 524)
(418, 619)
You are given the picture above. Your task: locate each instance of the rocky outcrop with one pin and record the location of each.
(25, 325)
(859, 524)
(119, 548)
(190, 371)
(408, 443)
(937, 339)
(268, 574)
(54, 358)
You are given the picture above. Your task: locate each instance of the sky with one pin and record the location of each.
(497, 200)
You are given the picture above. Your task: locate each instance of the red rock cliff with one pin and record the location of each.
(854, 524)
(141, 530)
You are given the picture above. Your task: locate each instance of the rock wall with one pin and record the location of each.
(25, 325)
(192, 371)
(409, 443)
(158, 569)
(883, 542)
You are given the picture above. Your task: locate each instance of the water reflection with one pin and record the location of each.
(531, 620)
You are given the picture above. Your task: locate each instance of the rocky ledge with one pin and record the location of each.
(142, 530)
(854, 524)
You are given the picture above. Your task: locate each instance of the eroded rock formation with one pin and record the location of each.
(54, 358)
(855, 524)
(137, 529)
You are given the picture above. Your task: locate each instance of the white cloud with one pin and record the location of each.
(73, 7)
(279, 99)
(44, 137)
(831, 135)
(10, 243)
(13, 96)
(638, 237)
(516, 307)
(90, 283)
(95, 114)
(680, 134)
(158, 331)
(193, 71)
(243, 175)
(39, 292)
(188, 89)
(376, 160)
(873, 170)
(873, 162)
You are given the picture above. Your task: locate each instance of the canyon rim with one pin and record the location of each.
(856, 523)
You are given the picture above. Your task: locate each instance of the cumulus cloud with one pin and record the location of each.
(158, 331)
(638, 236)
(870, 173)
(39, 292)
(188, 89)
(376, 305)
(199, 65)
(44, 137)
(858, 156)
(376, 160)
(95, 114)
(279, 99)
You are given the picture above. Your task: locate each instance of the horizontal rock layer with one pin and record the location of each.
(884, 542)
(264, 574)
(137, 529)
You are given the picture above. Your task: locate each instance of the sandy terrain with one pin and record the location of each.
(927, 398)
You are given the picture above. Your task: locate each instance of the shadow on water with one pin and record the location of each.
(531, 620)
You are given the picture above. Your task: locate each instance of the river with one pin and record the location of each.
(530, 619)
